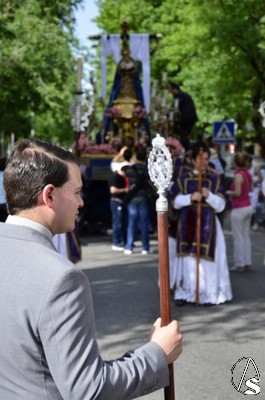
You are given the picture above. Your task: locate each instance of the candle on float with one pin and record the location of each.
(12, 139)
(164, 76)
(91, 76)
(155, 116)
(79, 73)
(102, 135)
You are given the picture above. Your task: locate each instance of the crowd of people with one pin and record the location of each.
(196, 217)
(130, 187)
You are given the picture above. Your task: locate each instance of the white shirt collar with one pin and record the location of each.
(16, 220)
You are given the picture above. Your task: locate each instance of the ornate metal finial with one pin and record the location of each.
(160, 170)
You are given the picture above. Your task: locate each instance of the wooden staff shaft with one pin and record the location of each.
(197, 300)
(198, 247)
(162, 231)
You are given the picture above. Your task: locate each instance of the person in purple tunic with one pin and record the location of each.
(214, 279)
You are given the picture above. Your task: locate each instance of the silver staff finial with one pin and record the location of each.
(160, 170)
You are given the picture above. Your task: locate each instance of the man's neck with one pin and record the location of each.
(30, 223)
(35, 215)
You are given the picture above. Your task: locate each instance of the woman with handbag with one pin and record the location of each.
(241, 213)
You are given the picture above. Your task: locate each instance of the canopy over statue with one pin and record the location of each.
(128, 106)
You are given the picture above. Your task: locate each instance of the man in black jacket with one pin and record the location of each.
(186, 116)
(137, 207)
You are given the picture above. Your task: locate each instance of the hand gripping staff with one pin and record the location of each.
(160, 170)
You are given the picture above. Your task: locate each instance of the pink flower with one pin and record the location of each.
(139, 112)
(85, 146)
(113, 112)
(99, 149)
(83, 142)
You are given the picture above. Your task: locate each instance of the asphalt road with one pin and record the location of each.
(126, 302)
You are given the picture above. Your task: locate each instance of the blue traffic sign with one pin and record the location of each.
(224, 132)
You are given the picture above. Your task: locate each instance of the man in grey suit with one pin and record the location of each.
(48, 348)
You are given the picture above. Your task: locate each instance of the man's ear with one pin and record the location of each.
(48, 195)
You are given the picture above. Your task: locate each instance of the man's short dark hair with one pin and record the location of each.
(175, 85)
(141, 153)
(32, 165)
(127, 155)
(197, 147)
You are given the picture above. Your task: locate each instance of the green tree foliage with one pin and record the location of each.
(214, 48)
(37, 65)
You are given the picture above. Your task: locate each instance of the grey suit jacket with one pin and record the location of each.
(48, 348)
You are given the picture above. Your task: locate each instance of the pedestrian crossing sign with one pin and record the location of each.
(224, 132)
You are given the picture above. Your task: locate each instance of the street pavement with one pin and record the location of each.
(126, 302)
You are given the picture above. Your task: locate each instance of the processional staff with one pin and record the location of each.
(160, 170)
(199, 217)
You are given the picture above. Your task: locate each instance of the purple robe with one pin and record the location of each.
(187, 183)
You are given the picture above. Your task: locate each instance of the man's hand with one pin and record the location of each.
(168, 338)
(205, 192)
(196, 196)
(122, 150)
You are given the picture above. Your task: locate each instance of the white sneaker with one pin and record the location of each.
(237, 269)
(255, 227)
(145, 252)
(117, 248)
(127, 252)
